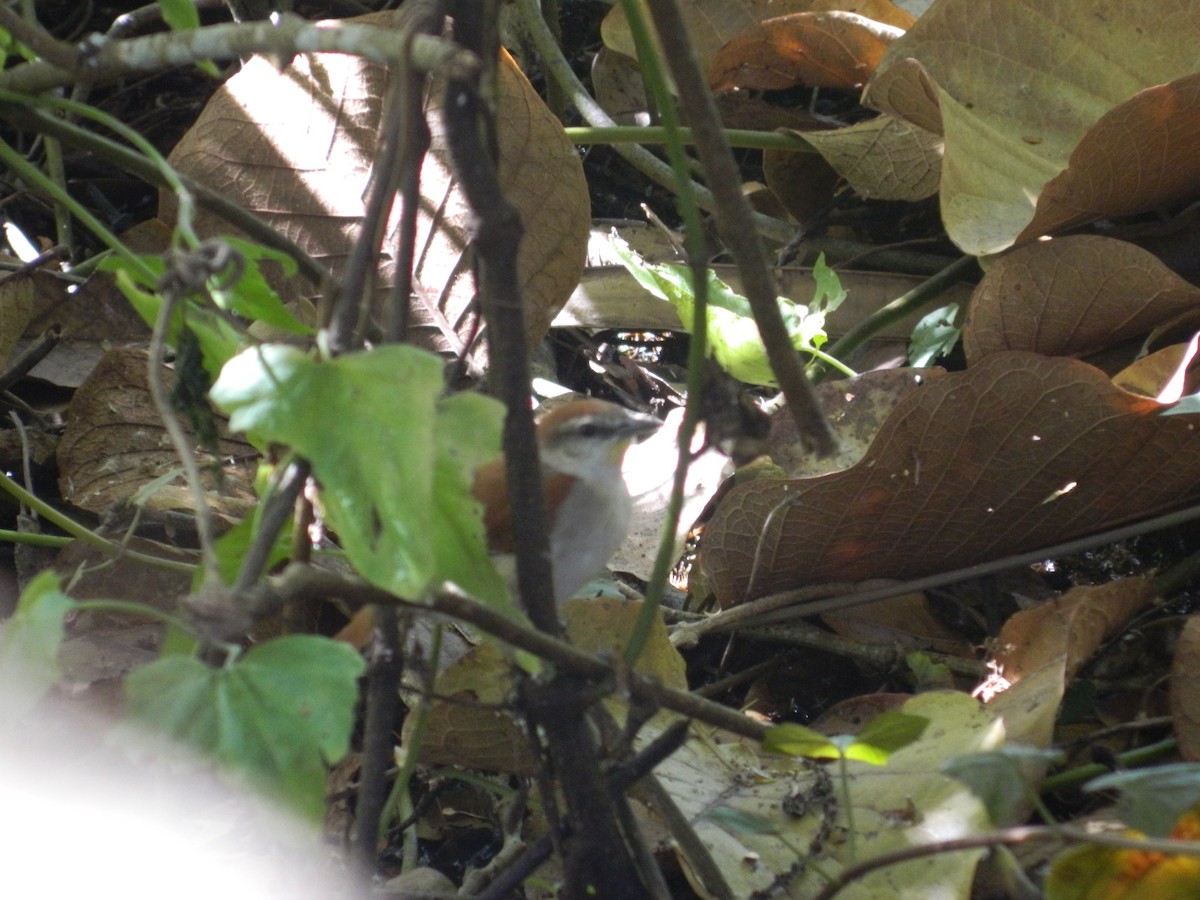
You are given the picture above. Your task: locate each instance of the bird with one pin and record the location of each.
(581, 446)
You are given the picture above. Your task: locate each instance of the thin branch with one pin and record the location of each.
(638, 157)
(798, 604)
(303, 581)
(286, 37)
(736, 225)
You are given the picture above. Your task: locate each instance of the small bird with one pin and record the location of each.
(581, 446)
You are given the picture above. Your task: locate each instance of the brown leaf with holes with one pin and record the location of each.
(115, 445)
(1072, 296)
(1074, 627)
(1018, 452)
(297, 149)
(824, 49)
(1185, 699)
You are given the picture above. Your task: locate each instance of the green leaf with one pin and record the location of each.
(934, 336)
(219, 340)
(7, 44)
(395, 462)
(829, 293)
(180, 15)
(232, 546)
(1152, 800)
(884, 735)
(732, 331)
(278, 716)
(1001, 779)
(796, 740)
(29, 645)
(252, 296)
(1188, 404)
(459, 542)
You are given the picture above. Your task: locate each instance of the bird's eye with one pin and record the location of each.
(589, 430)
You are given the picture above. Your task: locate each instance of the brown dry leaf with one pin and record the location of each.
(1072, 296)
(1029, 708)
(1185, 699)
(1018, 452)
(1164, 375)
(470, 723)
(16, 309)
(620, 88)
(604, 626)
(803, 183)
(297, 148)
(825, 49)
(1014, 99)
(1073, 627)
(1138, 156)
(850, 715)
(904, 622)
(115, 444)
(883, 158)
(856, 408)
(712, 23)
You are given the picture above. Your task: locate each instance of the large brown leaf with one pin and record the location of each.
(1018, 452)
(1071, 297)
(297, 148)
(712, 23)
(1022, 89)
(826, 49)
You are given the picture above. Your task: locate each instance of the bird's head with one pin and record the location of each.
(588, 438)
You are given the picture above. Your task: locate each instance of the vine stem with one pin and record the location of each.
(77, 531)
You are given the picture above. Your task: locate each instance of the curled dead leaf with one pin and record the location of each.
(1073, 627)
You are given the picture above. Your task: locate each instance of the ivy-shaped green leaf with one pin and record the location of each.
(395, 460)
(29, 645)
(279, 715)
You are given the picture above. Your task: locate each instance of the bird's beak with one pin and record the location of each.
(640, 426)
